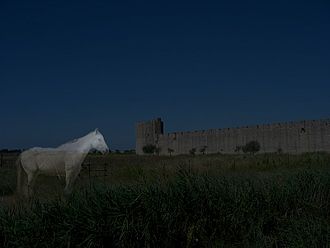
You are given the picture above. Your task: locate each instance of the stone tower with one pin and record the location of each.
(147, 133)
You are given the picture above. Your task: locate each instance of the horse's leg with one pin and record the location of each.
(70, 178)
(30, 183)
(25, 184)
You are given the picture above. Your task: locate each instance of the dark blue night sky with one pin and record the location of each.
(67, 67)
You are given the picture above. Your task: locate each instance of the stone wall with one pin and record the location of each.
(290, 137)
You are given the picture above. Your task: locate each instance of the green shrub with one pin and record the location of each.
(149, 149)
(251, 147)
(192, 151)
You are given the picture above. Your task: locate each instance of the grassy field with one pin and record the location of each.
(267, 200)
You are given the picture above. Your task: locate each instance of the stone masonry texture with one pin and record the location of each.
(288, 137)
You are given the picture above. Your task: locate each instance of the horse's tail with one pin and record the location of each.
(20, 175)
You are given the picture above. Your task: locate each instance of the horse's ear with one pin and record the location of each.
(96, 130)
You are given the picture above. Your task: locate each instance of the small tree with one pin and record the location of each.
(192, 151)
(203, 149)
(251, 147)
(149, 149)
(170, 150)
(238, 148)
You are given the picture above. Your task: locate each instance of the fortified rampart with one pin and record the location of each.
(289, 137)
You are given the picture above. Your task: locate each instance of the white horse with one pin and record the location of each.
(65, 159)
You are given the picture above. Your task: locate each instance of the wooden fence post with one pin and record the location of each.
(105, 171)
(89, 175)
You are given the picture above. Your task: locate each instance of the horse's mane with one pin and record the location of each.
(71, 142)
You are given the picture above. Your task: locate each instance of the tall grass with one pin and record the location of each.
(191, 210)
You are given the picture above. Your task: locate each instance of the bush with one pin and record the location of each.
(192, 151)
(203, 150)
(149, 149)
(238, 148)
(170, 151)
(251, 147)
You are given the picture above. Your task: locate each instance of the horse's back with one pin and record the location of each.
(44, 160)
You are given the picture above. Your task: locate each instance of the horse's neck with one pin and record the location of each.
(82, 145)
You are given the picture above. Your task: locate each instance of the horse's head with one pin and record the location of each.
(98, 142)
